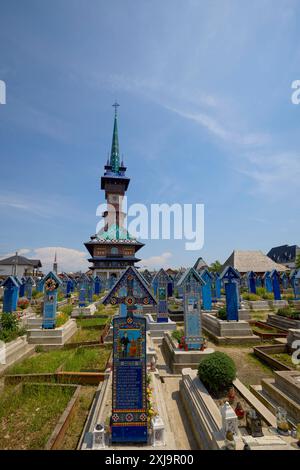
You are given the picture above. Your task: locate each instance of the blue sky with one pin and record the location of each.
(206, 117)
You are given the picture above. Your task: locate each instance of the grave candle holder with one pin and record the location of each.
(99, 437)
(282, 423)
(158, 436)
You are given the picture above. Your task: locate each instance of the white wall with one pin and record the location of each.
(8, 270)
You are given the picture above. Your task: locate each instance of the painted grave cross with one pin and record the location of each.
(268, 281)
(275, 284)
(129, 402)
(251, 278)
(296, 285)
(160, 286)
(10, 295)
(285, 281)
(231, 279)
(51, 285)
(191, 283)
(207, 278)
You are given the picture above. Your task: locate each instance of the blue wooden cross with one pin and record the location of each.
(231, 279)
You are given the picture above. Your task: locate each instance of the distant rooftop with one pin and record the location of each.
(21, 261)
(256, 261)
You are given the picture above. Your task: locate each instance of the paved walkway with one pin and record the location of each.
(179, 423)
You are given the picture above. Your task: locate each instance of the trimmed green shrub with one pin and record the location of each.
(217, 372)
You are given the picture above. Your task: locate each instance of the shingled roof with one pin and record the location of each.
(21, 261)
(256, 261)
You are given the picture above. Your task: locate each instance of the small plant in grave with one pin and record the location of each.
(178, 334)
(222, 315)
(217, 372)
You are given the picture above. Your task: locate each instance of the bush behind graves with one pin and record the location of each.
(217, 371)
(222, 314)
(9, 327)
(250, 296)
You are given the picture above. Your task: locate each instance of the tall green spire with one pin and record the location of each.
(114, 155)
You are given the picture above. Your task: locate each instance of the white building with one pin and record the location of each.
(19, 266)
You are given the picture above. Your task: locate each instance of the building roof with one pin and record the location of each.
(284, 253)
(21, 261)
(244, 261)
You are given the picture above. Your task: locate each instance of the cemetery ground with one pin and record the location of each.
(33, 399)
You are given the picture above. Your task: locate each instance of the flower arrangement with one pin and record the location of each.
(182, 344)
(23, 303)
(149, 396)
(51, 285)
(150, 407)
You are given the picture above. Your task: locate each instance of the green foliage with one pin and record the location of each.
(87, 358)
(67, 309)
(217, 371)
(250, 296)
(178, 334)
(288, 312)
(9, 327)
(261, 291)
(222, 314)
(298, 261)
(61, 319)
(30, 414)
(36, 294)
(216, 267)
(60, 296)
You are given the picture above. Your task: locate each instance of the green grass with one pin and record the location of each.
(285, 359)
(87, 358)
(42, 363)
(91, 322)
(28, 417)
(67, 309)
(84, 335)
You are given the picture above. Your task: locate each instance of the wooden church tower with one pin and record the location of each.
(113, 249)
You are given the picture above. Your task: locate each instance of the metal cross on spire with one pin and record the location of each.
(116, 105)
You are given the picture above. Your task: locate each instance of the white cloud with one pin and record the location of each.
(214, 127)
(159, 261)
(68, 259)
(272, 172)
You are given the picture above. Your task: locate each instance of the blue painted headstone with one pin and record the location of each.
(97, 285)
(207, 278)
(28, 287)
(10, 295)
(296, 285)
(82, 297)
(275, 284)
(22, 288)
(251, 277)
(129, 402)
(160, 286)
(190, 282)
(231, 278)
(218, 285)
(40, 285)
(268, 281)
(258, 281)
(51, 284)
(284, 281)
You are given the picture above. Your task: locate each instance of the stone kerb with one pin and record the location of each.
(202, 412)
(52, 338)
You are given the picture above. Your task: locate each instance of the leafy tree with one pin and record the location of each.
(298, 261)
(216, 266)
